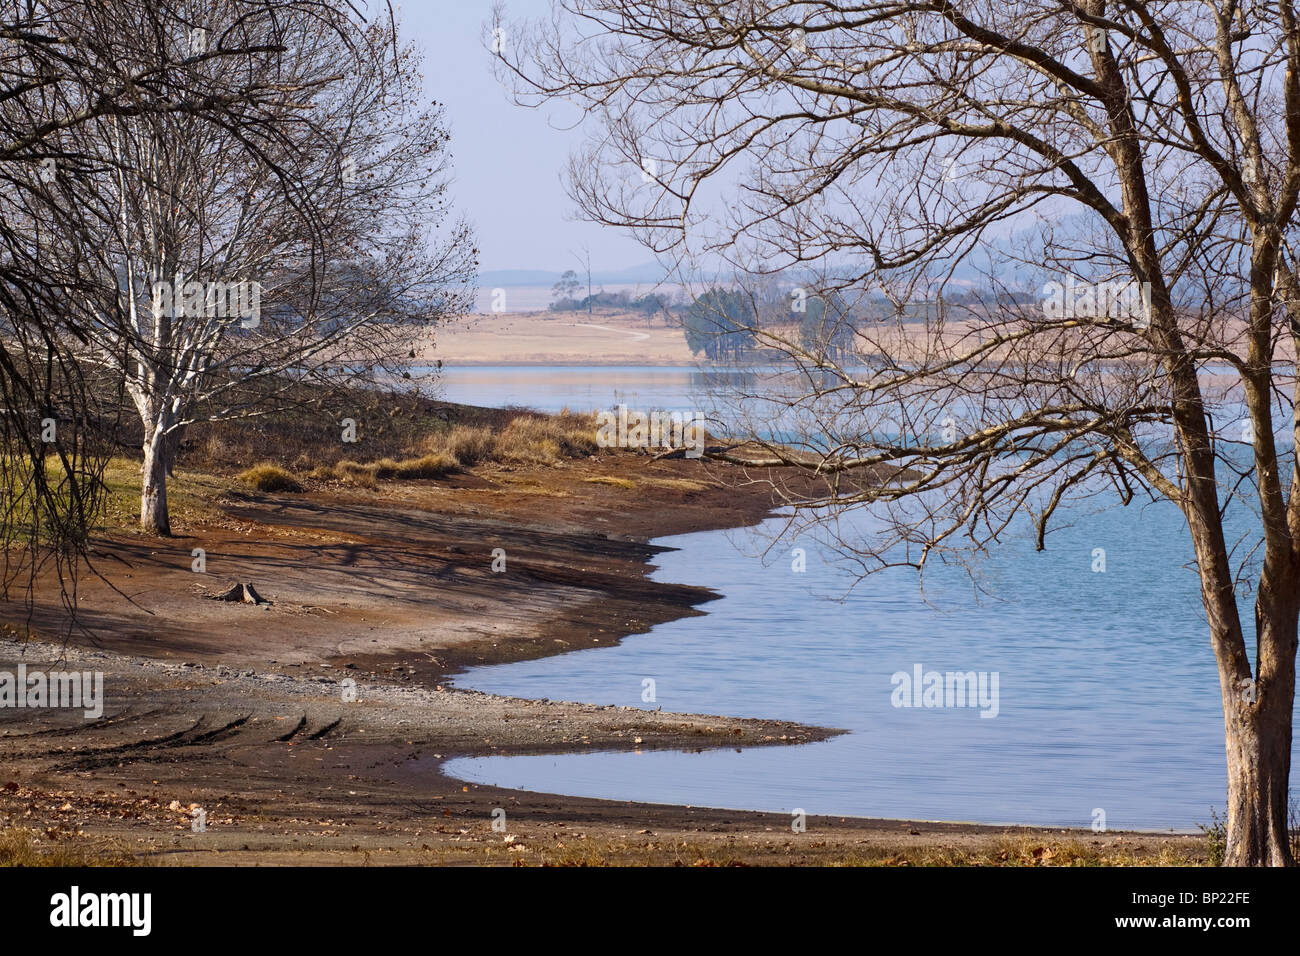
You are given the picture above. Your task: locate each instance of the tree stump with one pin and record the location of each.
(244, 593)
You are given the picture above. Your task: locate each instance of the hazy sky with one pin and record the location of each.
(509, 160)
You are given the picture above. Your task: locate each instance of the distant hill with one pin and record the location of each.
(972, 272)
(647, 273)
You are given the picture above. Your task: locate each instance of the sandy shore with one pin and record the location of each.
(244, 714)
(560, 338)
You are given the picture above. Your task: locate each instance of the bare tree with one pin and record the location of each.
(1149, 149)
(246, 258)
(64, 65)
(585, 261)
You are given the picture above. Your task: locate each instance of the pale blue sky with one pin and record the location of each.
(509, 160)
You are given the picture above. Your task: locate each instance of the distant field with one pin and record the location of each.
(560, 338)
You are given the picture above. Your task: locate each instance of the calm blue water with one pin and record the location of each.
(551, 388)
(1107, 689)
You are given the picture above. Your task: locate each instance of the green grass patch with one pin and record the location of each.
(191, 496)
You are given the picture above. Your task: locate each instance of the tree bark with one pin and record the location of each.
(1259, 764)
(1257, 726)
(173, 448)
(154, 517)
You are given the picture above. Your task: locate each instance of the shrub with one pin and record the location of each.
(1216, 837)
(268, 477)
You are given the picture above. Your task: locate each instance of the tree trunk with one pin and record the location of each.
(1259, 763)
(173, 447)
(153, 492)
(1257, 724)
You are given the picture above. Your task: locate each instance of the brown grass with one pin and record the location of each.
(627, 483)
(354, 473)
(531, 439)
(398, 439)
(677, 484)
(304, 429)
(468, 445)
(21, 847)
(426, 467)
(269, 477)
(527, 438)
(1008, 851)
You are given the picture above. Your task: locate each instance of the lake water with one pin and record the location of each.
(1107, 693)
(551, 388)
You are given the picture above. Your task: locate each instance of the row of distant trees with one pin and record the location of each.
(720, 323)
(716, 323)
(648, 305)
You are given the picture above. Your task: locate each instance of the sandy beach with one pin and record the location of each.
(559, 338)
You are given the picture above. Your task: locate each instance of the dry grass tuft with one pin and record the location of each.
(677, 484)
(468, 445)
(531, 439)
(627, 483)
(269, 477)
(355, 473)
(425, 467)
(387, 469)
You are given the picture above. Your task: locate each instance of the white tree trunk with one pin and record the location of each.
(153, 495)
